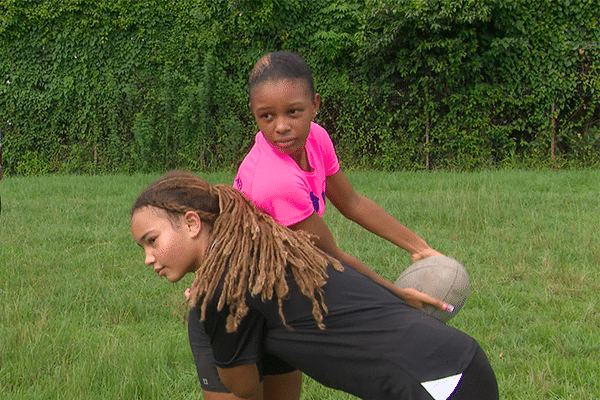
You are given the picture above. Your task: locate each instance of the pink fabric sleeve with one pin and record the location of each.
(326, 149)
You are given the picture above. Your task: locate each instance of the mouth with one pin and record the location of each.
(285, 144)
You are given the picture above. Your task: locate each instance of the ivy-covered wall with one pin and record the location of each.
(123, 86)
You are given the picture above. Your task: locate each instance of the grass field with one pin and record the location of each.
(81, 317)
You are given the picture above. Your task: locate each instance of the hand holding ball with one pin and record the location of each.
(442, 278)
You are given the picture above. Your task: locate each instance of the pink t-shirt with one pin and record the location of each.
(278, 186)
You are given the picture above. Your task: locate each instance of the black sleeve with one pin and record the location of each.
(236, 348)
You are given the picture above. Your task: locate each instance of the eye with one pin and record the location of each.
(266, 116)
(151, 240)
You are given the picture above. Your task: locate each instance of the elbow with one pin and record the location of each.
(244, 394)
(356, 208)
(243, 381)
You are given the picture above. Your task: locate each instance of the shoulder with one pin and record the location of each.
(258, 166)
(265, 174)
(268, 171)
(262, 155)
(322, 150)
(318, 133)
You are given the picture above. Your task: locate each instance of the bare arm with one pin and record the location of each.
(324, 240)
(372, 217)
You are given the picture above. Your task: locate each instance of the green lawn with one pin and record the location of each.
(81, 317)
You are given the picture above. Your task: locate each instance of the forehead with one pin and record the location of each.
(146, 219)
(281, 90)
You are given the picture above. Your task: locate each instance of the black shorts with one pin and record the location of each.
(205, 363)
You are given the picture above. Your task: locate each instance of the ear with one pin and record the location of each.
(251, 110)
(316, 104)
(193, 223)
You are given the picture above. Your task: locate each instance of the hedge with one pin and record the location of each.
(123, 86)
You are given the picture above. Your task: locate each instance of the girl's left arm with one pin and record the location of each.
(372, 217)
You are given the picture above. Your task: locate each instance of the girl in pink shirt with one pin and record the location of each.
(292, 168)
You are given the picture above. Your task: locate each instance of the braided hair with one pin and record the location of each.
(251, 252)
(280, 65)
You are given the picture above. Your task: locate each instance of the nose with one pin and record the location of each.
(150, 259)
(282, 125)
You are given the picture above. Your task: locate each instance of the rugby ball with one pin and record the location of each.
(442, 278)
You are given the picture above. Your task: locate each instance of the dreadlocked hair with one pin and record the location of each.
(250, 251)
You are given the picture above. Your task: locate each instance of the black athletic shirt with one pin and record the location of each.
(375, 346)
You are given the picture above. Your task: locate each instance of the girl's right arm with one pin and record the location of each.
(372, 217)
(325, 241)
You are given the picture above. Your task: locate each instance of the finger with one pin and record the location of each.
(448, 307)
(443, 306)
(438, 304)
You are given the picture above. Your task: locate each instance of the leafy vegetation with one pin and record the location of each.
(124, 86)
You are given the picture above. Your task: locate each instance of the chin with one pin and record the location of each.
(172, 278)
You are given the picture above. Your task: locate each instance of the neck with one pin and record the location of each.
(302, 160)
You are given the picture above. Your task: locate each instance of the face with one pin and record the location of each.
(172, 249)
(283, 110)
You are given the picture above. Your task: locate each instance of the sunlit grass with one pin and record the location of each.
(81, 317)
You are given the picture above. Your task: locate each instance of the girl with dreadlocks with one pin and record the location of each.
(270, 301)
